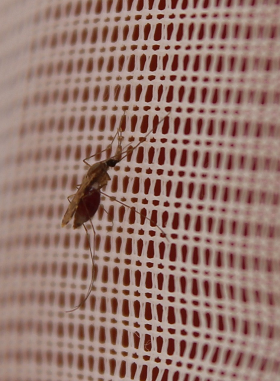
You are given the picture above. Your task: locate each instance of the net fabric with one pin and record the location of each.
(202, 305)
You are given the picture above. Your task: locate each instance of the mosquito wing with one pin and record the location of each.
(96, 178)
(74, 203)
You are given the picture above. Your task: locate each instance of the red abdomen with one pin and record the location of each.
(87, 208)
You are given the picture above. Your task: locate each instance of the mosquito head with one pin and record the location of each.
(112, 162)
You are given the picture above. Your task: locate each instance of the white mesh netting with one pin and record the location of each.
(202, 304)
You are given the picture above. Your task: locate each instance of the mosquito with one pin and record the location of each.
(85, 202)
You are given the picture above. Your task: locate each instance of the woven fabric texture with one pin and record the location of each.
(186, 246)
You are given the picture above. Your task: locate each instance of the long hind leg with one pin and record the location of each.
(92, 267)
(92, 252)
(136, 211)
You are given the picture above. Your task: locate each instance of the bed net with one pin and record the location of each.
(187, 289)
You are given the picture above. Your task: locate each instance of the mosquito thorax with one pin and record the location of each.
(112, 162)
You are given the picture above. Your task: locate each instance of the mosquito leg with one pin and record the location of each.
(136, 211)
(98, 153)
(119, 149)
(69, 197)
(132, 148)
(92, 260)
(106, 211)
(72, 195)
(92, 268)
(146, 345)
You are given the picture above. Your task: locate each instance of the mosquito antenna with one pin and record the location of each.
(142, 140)
(110, 145)
(136, 211)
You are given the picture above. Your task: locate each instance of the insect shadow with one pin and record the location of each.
(85, 202)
